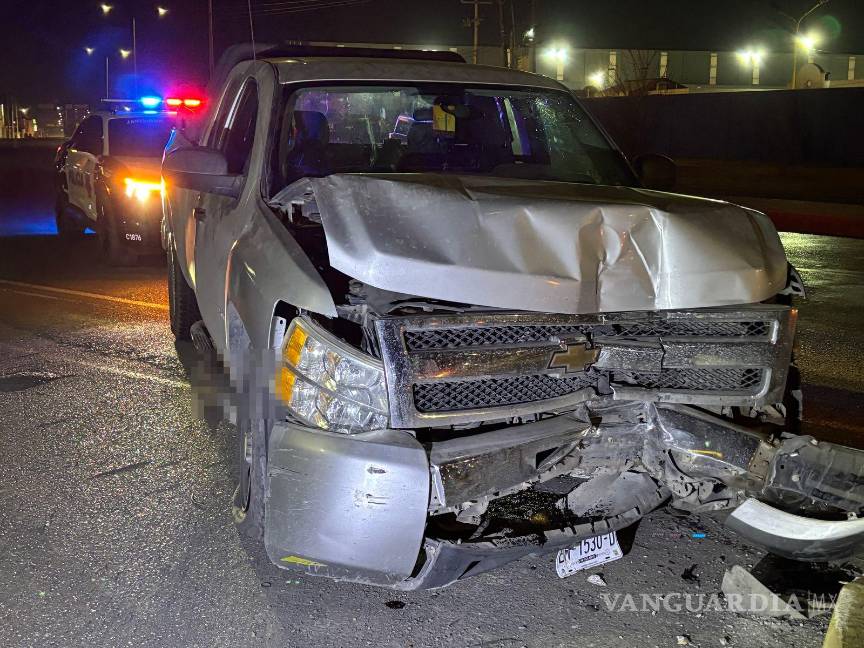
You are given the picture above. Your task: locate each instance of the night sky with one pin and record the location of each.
(42, 56)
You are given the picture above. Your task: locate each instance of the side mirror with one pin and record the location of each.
(201, 169)
(656, 171)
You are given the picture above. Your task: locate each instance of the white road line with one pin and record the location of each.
(81, 293)
(134, 374)
(32, 294)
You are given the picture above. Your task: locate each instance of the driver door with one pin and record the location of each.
(220, 220)
(87, 145)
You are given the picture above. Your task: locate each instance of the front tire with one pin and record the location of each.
(182, 303)
(67, 225)
(251, 456)
(109, 239)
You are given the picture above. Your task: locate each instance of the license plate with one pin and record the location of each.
(588, 553)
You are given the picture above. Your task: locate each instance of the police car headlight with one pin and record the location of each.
(142, 189)
(328, 384)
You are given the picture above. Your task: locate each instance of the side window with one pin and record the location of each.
(237, 139)
(88, 137)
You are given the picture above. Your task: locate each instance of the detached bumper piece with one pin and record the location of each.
(797, 537)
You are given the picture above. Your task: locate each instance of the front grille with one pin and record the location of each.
(727, 379)
(457, 338)
(471, 367)
(493, 392)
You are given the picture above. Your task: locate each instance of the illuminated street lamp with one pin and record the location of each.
(89, 50)
(807, 42)
(598, 79)
(106, 8)
(24, 111)
(752, 58)
(558, 54)
(125, 53)
(529, 35)
(161, 11)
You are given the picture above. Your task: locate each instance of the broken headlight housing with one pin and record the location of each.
(328, 384)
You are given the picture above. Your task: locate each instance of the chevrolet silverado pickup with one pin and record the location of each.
(464, 329)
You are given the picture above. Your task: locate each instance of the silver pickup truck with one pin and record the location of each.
(463, 329)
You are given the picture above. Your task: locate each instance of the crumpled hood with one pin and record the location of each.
(546, 246)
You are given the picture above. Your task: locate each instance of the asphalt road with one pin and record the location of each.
(115, 525)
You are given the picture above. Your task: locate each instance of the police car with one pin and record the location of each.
(108, 180)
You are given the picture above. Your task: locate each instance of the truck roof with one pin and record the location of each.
(299, 69)
(299, 62)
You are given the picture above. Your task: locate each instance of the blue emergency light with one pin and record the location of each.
(150, 102)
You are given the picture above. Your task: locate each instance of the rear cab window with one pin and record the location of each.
(138, 136)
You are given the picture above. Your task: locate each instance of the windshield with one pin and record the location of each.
(505, 132)
(144, 137)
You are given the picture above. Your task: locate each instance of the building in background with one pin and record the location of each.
(631, 71)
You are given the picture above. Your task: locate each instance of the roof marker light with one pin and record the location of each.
(174, 102)
(192, 103)
(150, 102)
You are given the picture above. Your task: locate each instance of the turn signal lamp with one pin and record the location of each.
(141, 189)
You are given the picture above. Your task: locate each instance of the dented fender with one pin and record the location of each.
(351, 507)
(266, 265)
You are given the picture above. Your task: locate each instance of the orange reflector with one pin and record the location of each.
(285, 384)
(295, 346)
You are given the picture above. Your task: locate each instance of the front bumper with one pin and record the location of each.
(139, 225)
(361, 507)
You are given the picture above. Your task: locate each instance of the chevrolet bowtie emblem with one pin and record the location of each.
(574, 358)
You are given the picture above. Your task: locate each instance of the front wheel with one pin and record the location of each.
(67, 225)
(251, 458)
(182, 303)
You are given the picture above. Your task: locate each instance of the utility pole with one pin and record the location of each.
(504, 61)
(534, 35)
(134, 55)
(210, 32)
(475, 23)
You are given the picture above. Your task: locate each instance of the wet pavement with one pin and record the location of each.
(115, 524)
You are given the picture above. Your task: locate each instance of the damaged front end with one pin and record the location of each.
(506, 434)
(536, 365)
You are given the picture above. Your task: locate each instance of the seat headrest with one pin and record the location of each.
(311, 126)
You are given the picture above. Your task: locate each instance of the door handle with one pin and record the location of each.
(199, 214)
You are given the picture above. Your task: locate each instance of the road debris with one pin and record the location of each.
(745, 593)
(597, 579)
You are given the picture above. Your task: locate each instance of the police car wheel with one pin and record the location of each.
(182, 303)
(109, 240)
(67, 224)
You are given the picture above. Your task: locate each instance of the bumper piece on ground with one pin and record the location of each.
(794, 536)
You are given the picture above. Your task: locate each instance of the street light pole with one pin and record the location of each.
(797, 36)
(107, 85)
(210, 32)
(134, 55)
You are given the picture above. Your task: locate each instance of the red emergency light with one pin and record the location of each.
(190, 102)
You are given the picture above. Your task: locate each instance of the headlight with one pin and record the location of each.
(329, 384)
(141, 189)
